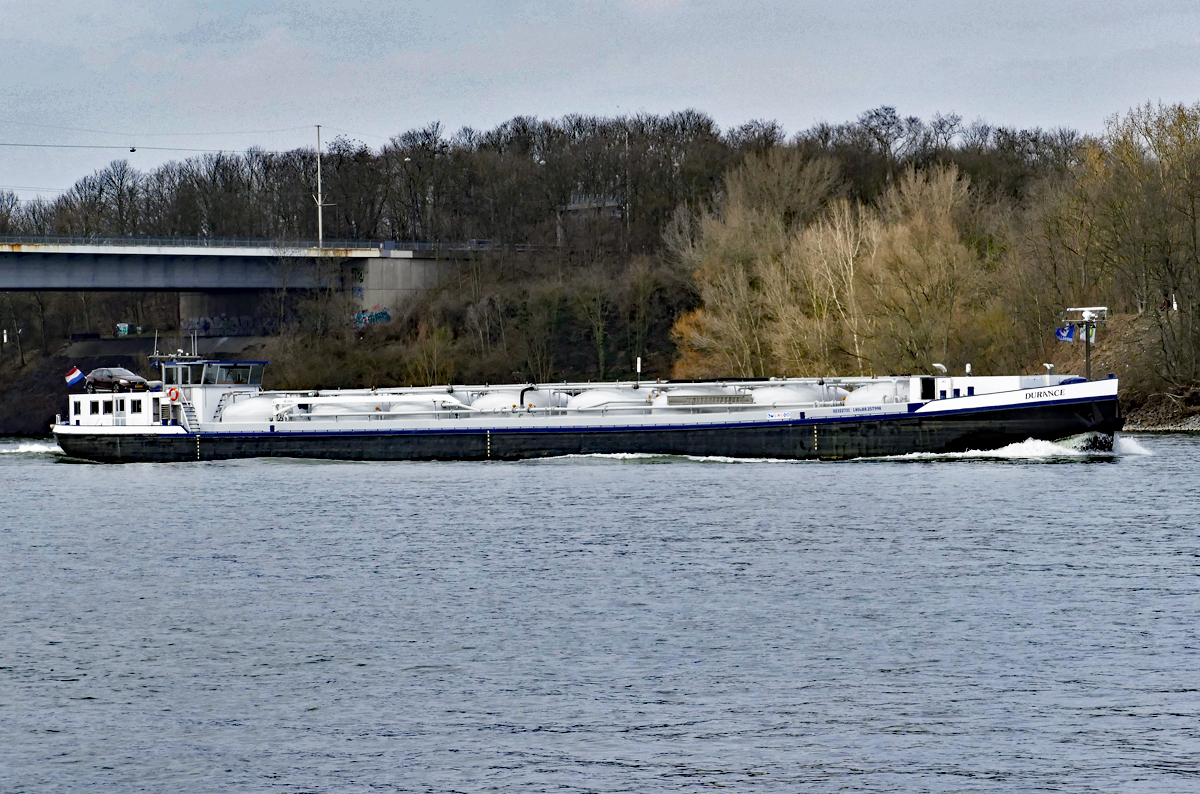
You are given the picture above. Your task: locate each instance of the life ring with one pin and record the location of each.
(173, 394)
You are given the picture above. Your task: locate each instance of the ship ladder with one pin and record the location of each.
(191, 422)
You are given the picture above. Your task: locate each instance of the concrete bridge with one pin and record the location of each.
(222, 279)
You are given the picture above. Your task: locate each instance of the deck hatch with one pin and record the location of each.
(710, 399)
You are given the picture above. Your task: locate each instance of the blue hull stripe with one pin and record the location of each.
(866, 417)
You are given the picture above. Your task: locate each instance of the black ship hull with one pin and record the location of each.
(800, 439)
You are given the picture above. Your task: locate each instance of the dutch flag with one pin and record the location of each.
(74, 376)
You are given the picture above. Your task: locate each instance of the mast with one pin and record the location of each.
(1086, 319)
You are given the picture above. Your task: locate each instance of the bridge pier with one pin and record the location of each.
(379, 287)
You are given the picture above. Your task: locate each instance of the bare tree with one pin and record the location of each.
(593, 296)
(844, 244)
(12, 313)
(10, 207)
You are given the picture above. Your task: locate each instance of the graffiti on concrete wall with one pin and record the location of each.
(374, 316)
(246, 325)
(356, 280)
(222, 325)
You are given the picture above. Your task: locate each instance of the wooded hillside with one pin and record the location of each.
(884, 244)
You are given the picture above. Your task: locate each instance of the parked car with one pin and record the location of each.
(114, 379)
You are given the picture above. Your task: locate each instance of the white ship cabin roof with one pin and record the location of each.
(213, 373)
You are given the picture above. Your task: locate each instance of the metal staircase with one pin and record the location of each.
(191, 422)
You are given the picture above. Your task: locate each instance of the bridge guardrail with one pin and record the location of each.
(202, 242)
(254, 242)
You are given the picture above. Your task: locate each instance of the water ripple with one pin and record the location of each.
(601, 625)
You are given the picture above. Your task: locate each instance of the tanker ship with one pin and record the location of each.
(213, 410)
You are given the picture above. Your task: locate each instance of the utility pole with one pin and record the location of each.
(320, 197)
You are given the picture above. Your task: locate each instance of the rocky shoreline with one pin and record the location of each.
(1162, 418)
(1165, 414)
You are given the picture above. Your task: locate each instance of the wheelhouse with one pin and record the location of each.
(213, 373)
(198, 390)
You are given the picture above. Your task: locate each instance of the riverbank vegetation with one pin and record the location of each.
(884, 244)
(953, 260)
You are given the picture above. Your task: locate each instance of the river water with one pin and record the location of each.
(1022, 621)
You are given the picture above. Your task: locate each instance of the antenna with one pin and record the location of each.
(940, 368)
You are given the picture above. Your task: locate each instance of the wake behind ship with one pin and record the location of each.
(214, 410)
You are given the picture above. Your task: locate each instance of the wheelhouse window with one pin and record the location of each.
(237, 374)
(240, 374)
(230, 373)
(183, 374)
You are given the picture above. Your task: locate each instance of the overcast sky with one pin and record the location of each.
(228, 75)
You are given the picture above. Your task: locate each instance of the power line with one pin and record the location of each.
(134, 148)
(360, 134)
(150, 134)
(94, 146)
(30, 187)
